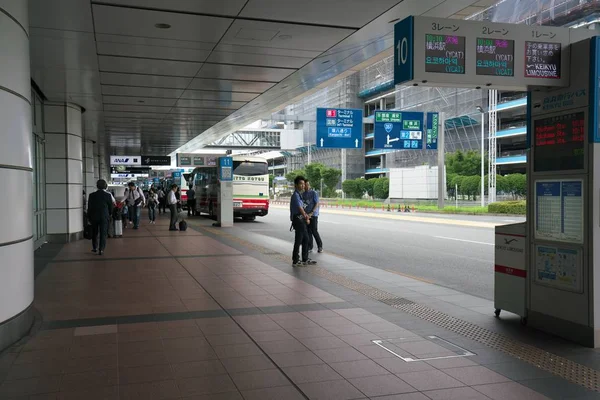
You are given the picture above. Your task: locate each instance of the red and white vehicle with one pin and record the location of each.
(250, 188)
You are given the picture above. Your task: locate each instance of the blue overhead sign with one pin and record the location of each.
(225, 169)
(398, 130)
(339, 128)
(404, 51)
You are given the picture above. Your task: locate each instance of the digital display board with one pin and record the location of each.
(495, 57)
(445, 54)
(559, 142)
(542, 60)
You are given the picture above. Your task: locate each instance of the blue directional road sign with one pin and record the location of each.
(339, 128)
(433, 130)
(398, 130)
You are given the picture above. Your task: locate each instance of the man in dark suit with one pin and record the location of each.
(100, 208)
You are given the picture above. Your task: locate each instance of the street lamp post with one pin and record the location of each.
(482, 111)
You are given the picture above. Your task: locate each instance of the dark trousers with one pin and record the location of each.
(99, 231)
(191, 204)
(313, 232)
(162, 205)
(301, 239)
(173, 210)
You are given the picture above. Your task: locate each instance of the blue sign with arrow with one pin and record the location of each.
(398, 130)
(339, 128)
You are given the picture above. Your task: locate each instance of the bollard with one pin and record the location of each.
(389, 208)
(413, 208)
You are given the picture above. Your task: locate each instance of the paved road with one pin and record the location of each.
(453, 251)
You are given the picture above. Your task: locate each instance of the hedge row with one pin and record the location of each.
(508, 207)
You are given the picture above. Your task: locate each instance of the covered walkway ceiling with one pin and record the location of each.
(156, 76)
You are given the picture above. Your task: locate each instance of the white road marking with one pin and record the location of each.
(463, 240)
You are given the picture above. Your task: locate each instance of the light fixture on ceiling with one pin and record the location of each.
(326, 61)
(284, 86)
(285, 37)
(141, 101)
(394, 20)
(162, 26)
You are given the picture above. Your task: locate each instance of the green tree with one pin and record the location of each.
(351, 188)
(502, 184)
(516, 184)
(290, 176)
(381, 188)
(466, 164)
(368, 186)
(331, 178)
(314, 173)
(471, 186)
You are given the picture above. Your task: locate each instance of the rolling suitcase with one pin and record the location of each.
(182, 226)
(118, 228)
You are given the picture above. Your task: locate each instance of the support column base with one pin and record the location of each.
(64, 237)
(581, 334)
(14, 329)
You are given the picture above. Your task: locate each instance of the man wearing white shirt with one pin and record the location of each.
(172, 203)
(135, 201)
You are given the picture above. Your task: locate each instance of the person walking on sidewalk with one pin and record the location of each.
(300, 221)
(162, 200)
(152, 203)
(191, 201)
(311, 199)
(172, 203)
(100, 207)
(135, 201)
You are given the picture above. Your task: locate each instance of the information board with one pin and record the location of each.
(495, 57)
(440, 52)
(542, 60)
(445, 54)
(559, 142)
(559, 210)
(558, 267)
(433, 128)
(398, 130)
(339, 128)
(197, 160)
(226, 169)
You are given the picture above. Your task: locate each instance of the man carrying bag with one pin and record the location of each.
(300, 221)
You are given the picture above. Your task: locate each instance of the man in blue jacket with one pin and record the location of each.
(300, 221)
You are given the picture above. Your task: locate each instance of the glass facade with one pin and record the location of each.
(39, 170)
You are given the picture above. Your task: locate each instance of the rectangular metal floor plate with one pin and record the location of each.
(422, 348)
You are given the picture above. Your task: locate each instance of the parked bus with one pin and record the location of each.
(180, 179)
(250, 188)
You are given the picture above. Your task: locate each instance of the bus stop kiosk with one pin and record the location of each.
(225, 193)
(559, 68)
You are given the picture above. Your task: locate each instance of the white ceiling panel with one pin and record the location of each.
(261, 74)
(67, 15)
(141, 23)
(139, 101)
(110, 78)
(448, 7)
(286, 36)
(142, 41)
(223, 96)
(136, 108)
(272, 51)
(126, 114)
(348, 13)
(200, 111)
(147, 66)
(149, 52)
(230, 105)
(75, 52)
(230, 85)
(258, 60)
(225, 7)
(134, 91)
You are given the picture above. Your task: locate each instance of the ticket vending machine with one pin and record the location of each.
(225, 200)
(563, 208)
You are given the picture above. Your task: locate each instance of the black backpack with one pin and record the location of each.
(183, 226)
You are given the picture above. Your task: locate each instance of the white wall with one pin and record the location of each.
(419, 183)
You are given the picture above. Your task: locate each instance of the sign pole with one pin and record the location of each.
(343, 170)
(441, 162)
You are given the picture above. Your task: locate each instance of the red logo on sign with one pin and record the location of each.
(331, 113)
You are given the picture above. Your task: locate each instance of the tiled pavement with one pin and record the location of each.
(174, 315)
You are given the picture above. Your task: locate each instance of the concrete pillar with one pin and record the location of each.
(64, 172)
(88, 169)
(16, 174)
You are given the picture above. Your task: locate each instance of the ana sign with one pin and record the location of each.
(125, 160)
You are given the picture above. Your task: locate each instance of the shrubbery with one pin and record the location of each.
(508, 207)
